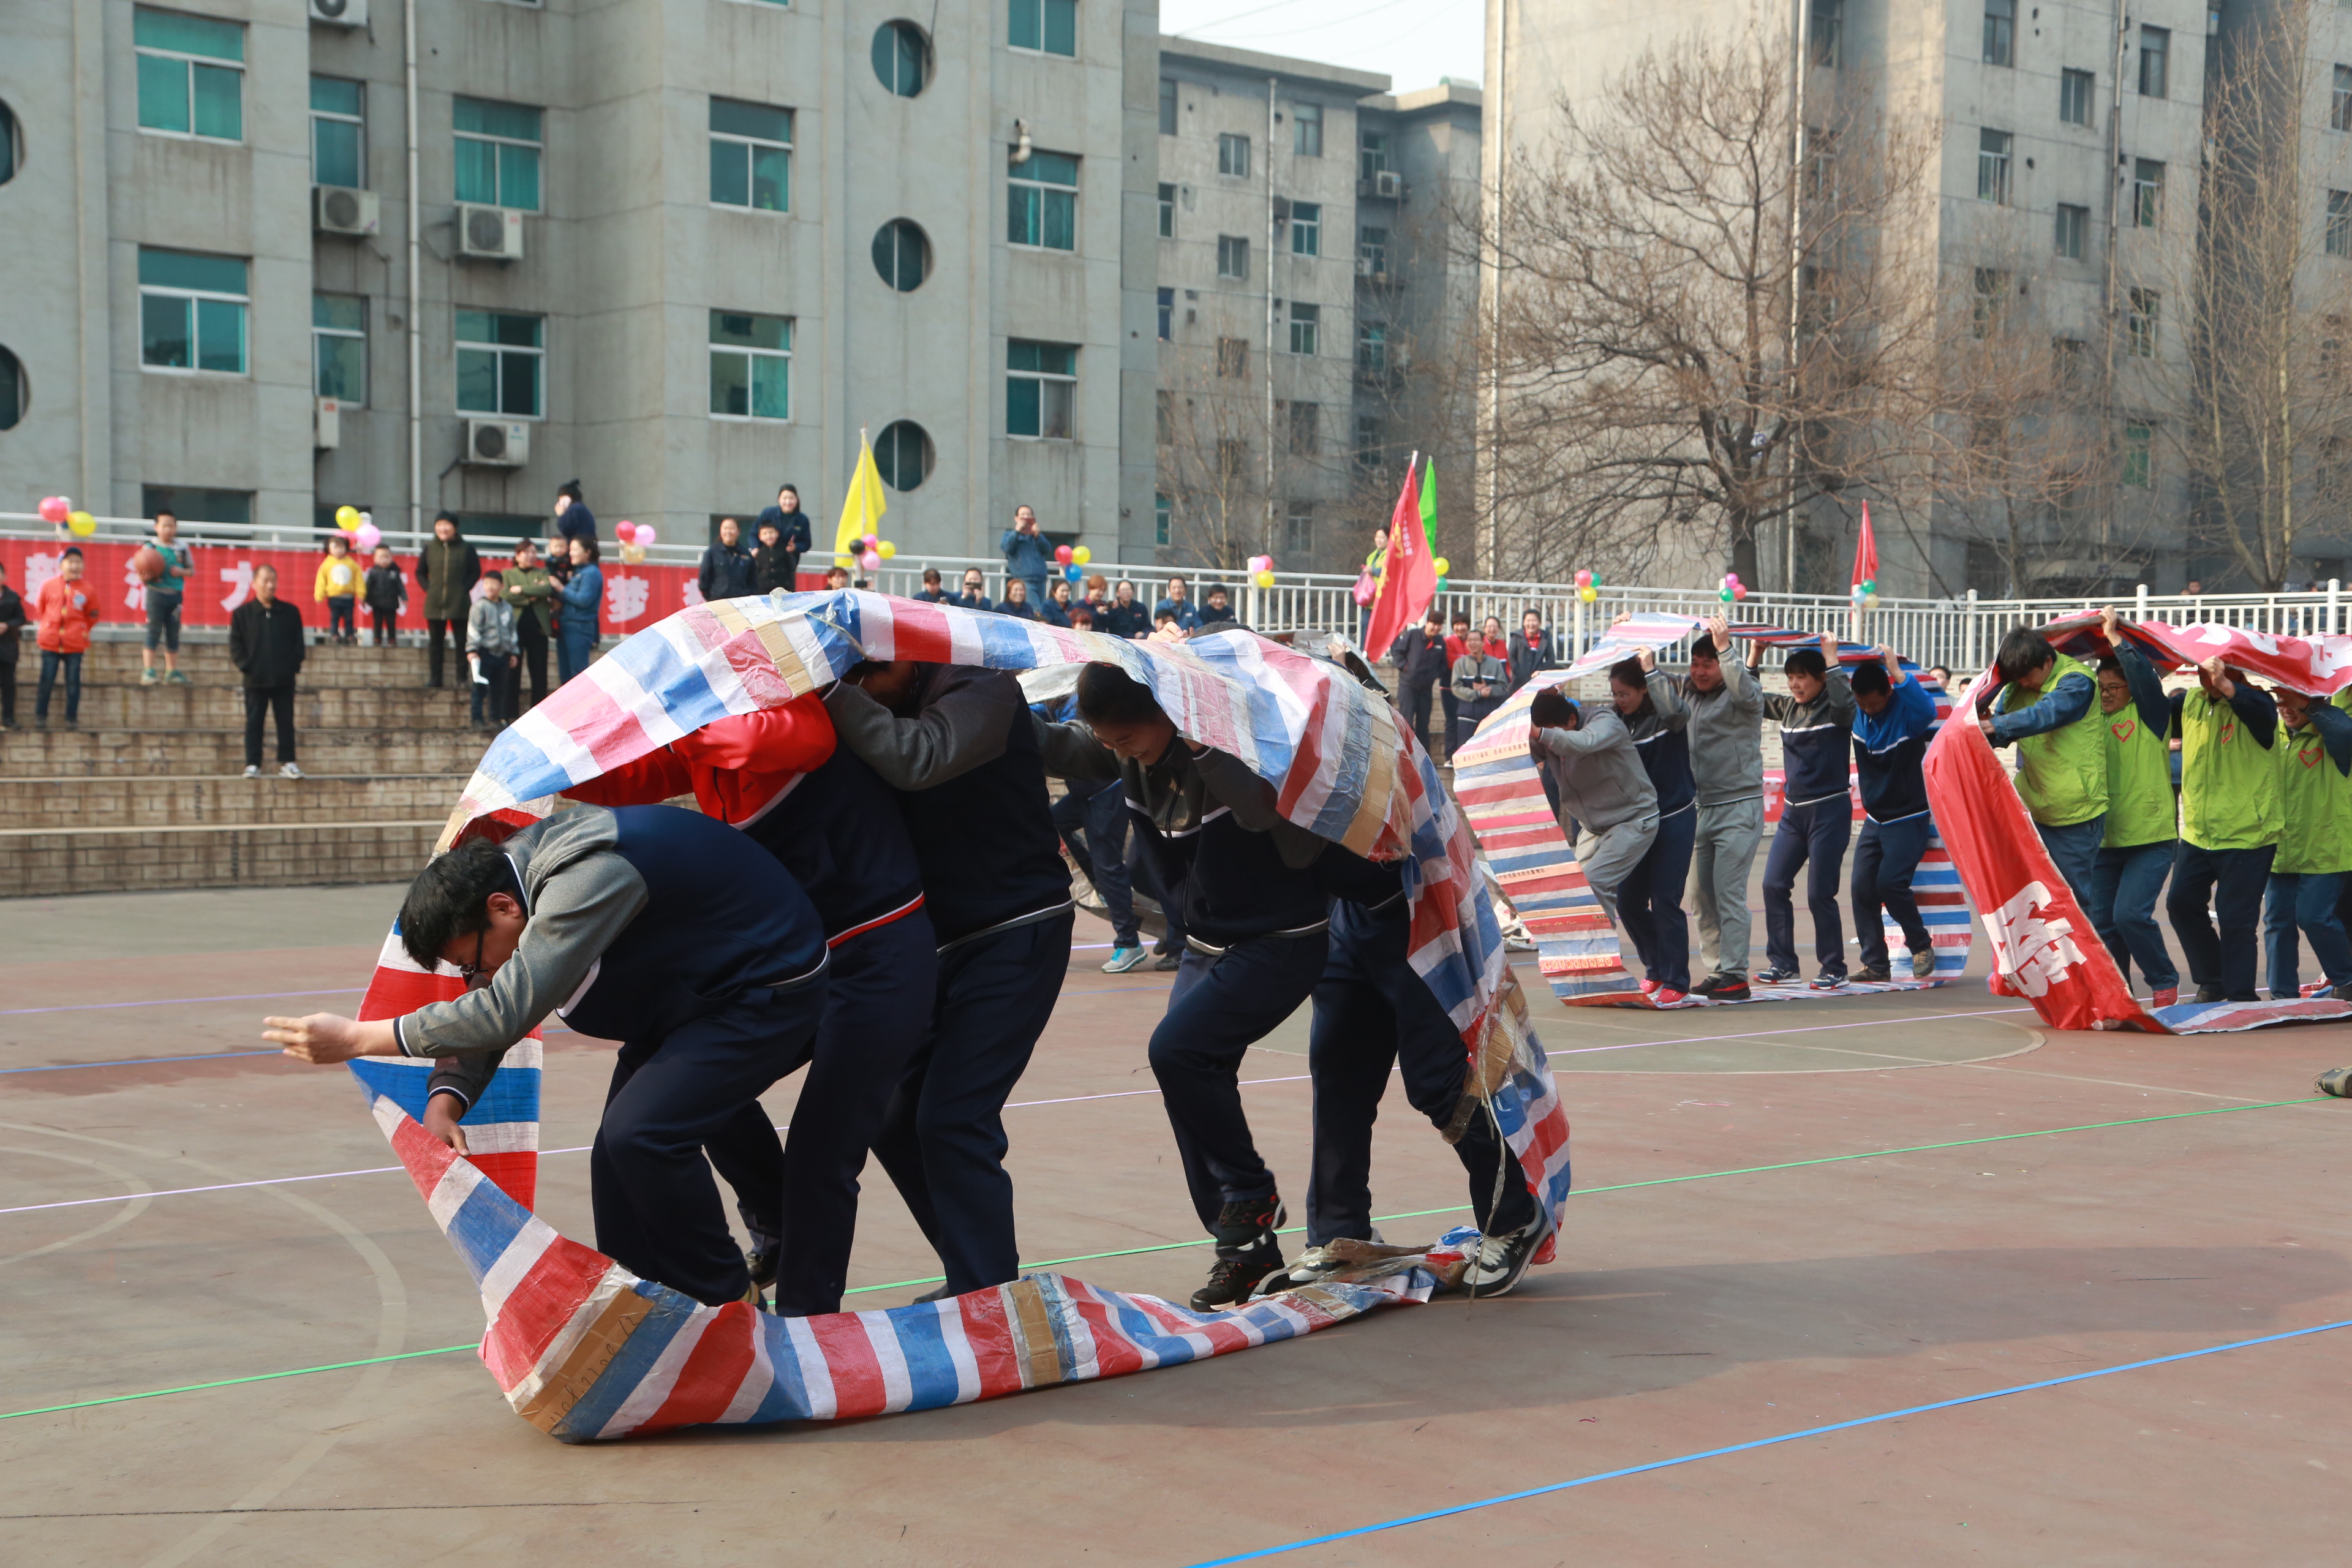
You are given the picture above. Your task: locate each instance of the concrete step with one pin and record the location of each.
(96, 753)
(208, 661)
(29, 805)
(112, 706)
(41, 862)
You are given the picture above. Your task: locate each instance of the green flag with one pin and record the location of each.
(1429, 502)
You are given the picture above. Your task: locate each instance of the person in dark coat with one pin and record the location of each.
(12, 626)
(447, 569)
(772, 567)
(1419, 658)
(572, 518)
(1531, 650)
(792, 535)
(264, 643)
(726, 570)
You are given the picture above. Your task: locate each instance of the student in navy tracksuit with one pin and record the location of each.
(668, 932)
(1816, 720)
(1650, 900)
(1893, 716)
(956, 743)
(777, 775)
(1255, 913)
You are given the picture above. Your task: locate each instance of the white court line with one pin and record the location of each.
(1760, 1034)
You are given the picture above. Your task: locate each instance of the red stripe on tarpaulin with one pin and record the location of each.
(540, 1308)
(1115, 1354)
(858, 1385)
(713, 1373)
(514, 1171)
(427, 1158)
(2320, 667)
(988, 1329)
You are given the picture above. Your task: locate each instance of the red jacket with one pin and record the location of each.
(734, 768)
(64, 612)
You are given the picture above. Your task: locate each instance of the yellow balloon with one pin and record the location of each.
(82, 524)
(1444, 567)
(1265, 579)
(1588, 595)
(1081, 555)
(347, 517)
(885, 549)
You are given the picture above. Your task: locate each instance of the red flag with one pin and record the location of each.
(1866, 550)
(1409, 582)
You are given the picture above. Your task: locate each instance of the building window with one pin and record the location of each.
(1298, 530)
(751, 366)
(1167, 313)
(192, 312)
(750, 156)
(1305, 429)
(2000, 32)
(191, 75)
(1167, 106)
(1167, 211)
(1161, 518)
(1041, 384)
(2069, 360)
(14, 394)
(2074, 92)
(1232, 461)
(1990, 295)
(903, 455)
(338, 132)
(190, 504)
(1371, 347)
(498, 154)
(1372, 252)
(2155, 60)
(1992, 165)
(1232, 358)
(12, 146)
(339, 347)
(1307, 228)
(1826, 28)
(2148, 193)
(2340, 107)
(2339, 222)
(1371, 154)
(1368, 442)
(1044, 202)
(1306, 129)
(1233, 256)
(2073, 222)
(2142, 323)
(1233, 155)
(1306, 326)
(2139, 454)
(902, 57)
(499, 358)
(1163, 420)
(1049, 26)
(902, 255)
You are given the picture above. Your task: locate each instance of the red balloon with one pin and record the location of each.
(627, 530)
(1061, 555)
(55, 509)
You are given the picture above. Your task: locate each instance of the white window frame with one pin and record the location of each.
(1167, 209)
(1298, 528)
(1228, 247)
(1229, 144)
(750, 143)
(491, 138)
(1047, 397)
(2078, 220)
(1312, 322)
(1996, 166)
(2088, 81)
(1076, 19)
(745, 352)
(502, 350)
(1303, 115)
(188, 63)
(1308, 229)
(1021, 174)
(243, 302)
(333, 117)
(343, 334)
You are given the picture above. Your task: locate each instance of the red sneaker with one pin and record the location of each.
(1668, 997)
(2166, 997)
(1649, 988)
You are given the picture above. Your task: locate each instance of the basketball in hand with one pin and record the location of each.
(148, 562)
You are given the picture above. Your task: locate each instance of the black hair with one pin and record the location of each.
(1219, 588)
(1551, 709)
(788, 485)
(1159, 619)
(445, 515)
(163, 511)
(931, 574)
(588, 545)
(571, 488)
(1461, 617)
(1628, 671)
(2022, 652)
(2112, 665)
(1703, 646)
(1108, 695)
(72, 550)
(1869, 677)
(450, 898)
(1806, 662)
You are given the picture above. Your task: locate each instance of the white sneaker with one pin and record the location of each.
(251, 772)
(289, 771)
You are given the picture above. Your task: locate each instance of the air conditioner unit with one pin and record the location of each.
(1390, 184)
(327, 425)
(493, 234)
(1282, 209)
(340, 13)
(496, 442)
(337, 209)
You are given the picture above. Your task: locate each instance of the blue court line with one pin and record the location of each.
(1363, 1530)
(138, 1061)
(177, 1000)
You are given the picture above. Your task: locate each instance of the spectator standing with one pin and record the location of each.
(975, 592)
(1188, 615)
(1941, 677)
(1026, 554)
(1124, 619)
(337, 585)
(1218, 611)
(12, 626)
(264, 643)
(2230, 824)
(2143, 821)
(794, 536)
(1727, 748)
(1893, 714)
(164, 596)
(2047, 706)
(1368, 582)
(933, 594)
(772, 568)
(1478, 688)
(726, 570)
(63, 611)
(1016, 600)
(572, 518)
(531, 592)
(1458, 644)
(447, 569)
(584, 605)
(1816, 721)
(386, 592)
(1418, 655)
(1533, 650)
(492, 644)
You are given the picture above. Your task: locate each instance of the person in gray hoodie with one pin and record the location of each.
(1726, 755)
(1593, 763)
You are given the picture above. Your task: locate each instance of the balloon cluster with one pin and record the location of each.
(1443, 568)
(1588, 586)
(1733, 588)
(1072, 560)
(361, 526)
(1262, 570)
(57, 508)
(1865, 593)
(872, 551)
(634, 538)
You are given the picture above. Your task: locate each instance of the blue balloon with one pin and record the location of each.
(1072, 572)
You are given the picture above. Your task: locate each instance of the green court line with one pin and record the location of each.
(1205, 1241)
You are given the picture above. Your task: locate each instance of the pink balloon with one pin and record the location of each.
(645, 534)
(1738, 590)
(870, 540)
(626, 531)
(367, 537)
(55, 509)
(870, 561)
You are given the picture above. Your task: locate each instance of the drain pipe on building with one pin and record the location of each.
(415, 288)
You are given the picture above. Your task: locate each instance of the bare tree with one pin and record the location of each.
(1699, 334)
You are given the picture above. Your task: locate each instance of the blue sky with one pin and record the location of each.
(1414, 41)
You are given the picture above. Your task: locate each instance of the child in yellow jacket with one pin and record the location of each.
(337, 586)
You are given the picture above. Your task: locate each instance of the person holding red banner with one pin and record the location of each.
(2143, 818)
(2315, 847)
(2047, 707)
(2231, 821)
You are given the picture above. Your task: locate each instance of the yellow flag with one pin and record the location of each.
(861, 508)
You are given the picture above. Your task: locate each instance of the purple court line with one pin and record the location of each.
(1760, 1034)
(580, 1149)
(178, 1002)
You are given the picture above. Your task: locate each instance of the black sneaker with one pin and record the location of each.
(1167, 961)
(1723, 989)
(939, 1293)
(2337, 1081)
(1232, 1278)
(2211, 994)
(762, 1261)
(1248, 1223)
(1501, 1259)
(1776, 976)
(1872, 975)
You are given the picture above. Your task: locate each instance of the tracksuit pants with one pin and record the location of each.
(2125, 885)
(801, 1189)
(2305, 898)
(2235, 880)
(658, 1210)
(1722, 855)
(1885, 857)
(1373, 1014)
(1219, 1007)
(2076, 848)
(1095, 827)
(1813, 839)
(1650, 901)
(1608, 858)
(942, 1139)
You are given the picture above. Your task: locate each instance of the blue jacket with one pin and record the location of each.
(1888, 751)
(1025, 555)
(1815, 753)
(792, 529)
(1188, 615)
(583, 600)
(577, 521)
(2068, 698)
